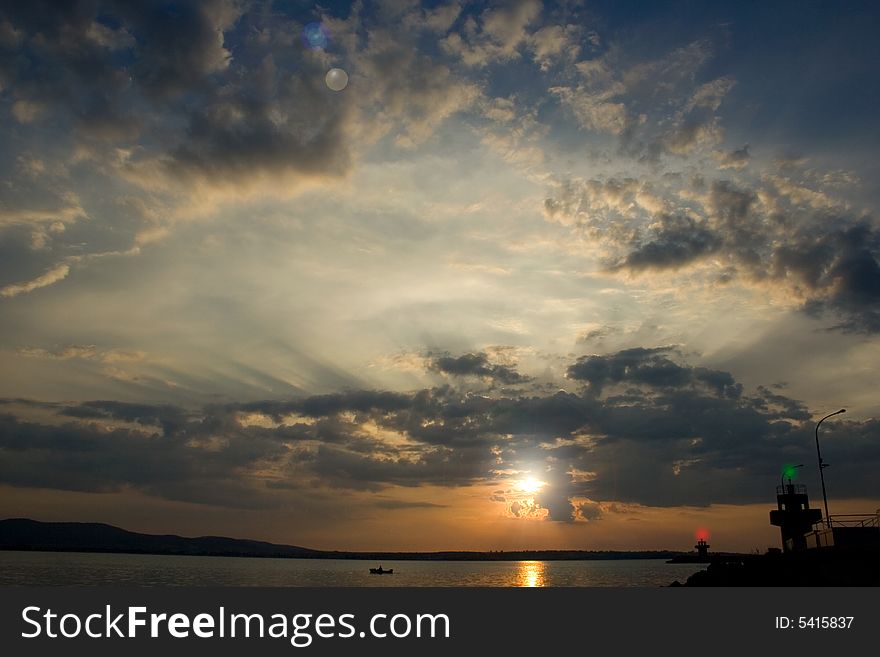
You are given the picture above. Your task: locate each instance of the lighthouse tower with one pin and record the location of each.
(793, 515)
(702, 548)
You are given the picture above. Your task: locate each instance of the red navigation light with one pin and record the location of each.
(702, 534)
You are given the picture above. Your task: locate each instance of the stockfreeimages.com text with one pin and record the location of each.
(301, 628)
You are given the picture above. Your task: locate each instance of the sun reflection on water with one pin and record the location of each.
(530, 573)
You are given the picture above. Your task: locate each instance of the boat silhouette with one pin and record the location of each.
(380, 571)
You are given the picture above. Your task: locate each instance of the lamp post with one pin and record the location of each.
(823, 465)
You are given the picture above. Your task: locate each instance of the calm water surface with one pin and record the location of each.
(77, 569)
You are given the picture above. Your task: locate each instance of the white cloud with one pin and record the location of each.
(496, 36)
(57, 273)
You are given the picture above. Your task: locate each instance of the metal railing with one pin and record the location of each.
(791, 489)
(848, 520)
(855, 520)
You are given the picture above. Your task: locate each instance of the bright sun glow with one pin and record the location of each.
(530, 485)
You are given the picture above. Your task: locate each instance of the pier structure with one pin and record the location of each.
(804, 528)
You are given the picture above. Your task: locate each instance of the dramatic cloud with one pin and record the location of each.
(403, 93)
(773, 232)
(476, 365)
(179, 47)
(253, 135)
(655, 107)
(537, 261)
(677, 241)
(692, 435)
(496, 35)
(651, 367)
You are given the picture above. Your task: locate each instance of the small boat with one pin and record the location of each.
(379, 571)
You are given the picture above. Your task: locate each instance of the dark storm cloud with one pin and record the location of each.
(168, 418)
(183, 465)
(322, 405)
(234, 138)
(180, 44)
(166, 47)
(675, 242)
(732, 212)
(62, 61)
(810, 242)
(163, 75)
(439, 466)
(647, 429)
(839, 272)
(778, 232)
(849, 269)
(89, 61)
(119, 115)
(478, 365)
(271, 115)
(651, 367)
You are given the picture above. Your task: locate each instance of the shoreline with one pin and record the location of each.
(27, 535)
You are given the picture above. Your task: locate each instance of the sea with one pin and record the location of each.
(88, 569)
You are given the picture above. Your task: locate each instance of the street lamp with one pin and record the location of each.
(823, 465)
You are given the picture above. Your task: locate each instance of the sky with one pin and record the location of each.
(576, 275)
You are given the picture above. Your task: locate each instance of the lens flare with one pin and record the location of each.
(314, 36)
(336, 79)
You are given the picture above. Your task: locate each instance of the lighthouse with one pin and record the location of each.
(793, 515)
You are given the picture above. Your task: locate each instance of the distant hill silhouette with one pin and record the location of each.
(25, 534)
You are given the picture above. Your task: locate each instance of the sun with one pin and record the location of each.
(530, 485)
